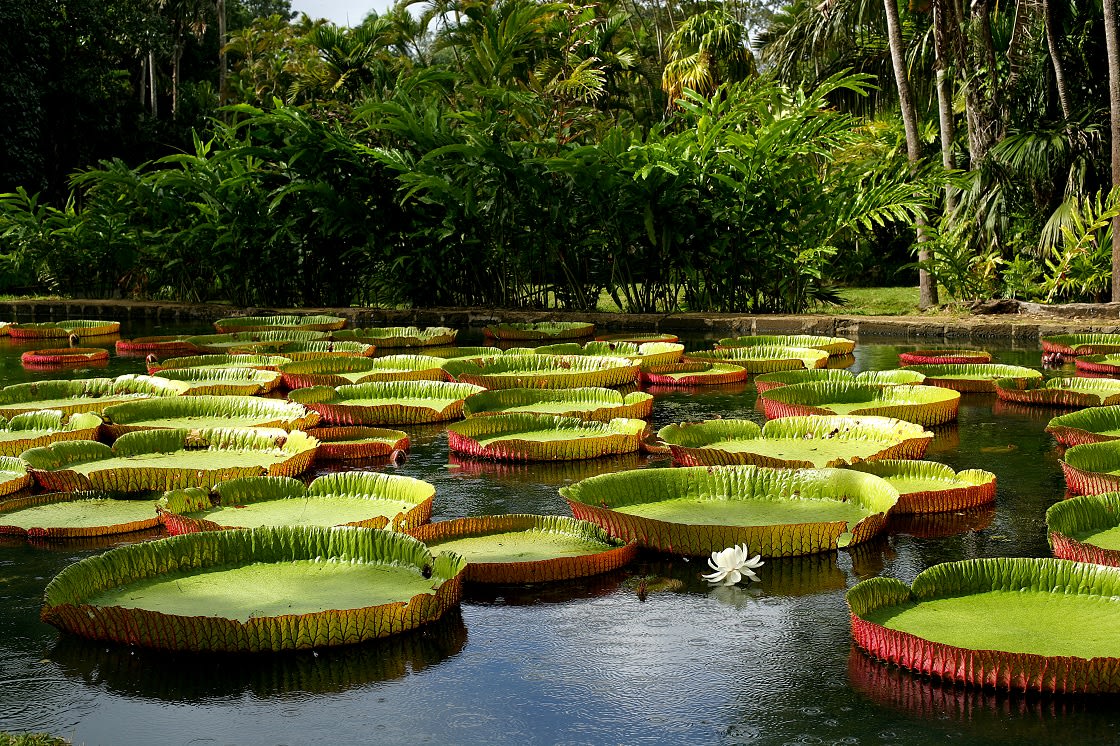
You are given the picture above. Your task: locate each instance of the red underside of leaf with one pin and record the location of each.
(929, 358)
(1066, 547)
(941, 501)
(1080, 482)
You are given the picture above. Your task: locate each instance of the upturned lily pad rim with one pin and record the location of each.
(47, 426)
(963, 490)
(1080, 344)
(334, 403)
(62, 356)
(14, 475)
(261, 362)
(508, 437)
(591, 402)
(943, 357)
(66, 606)
(543, 371)
(63, 532)
(1089, 425)
(63, 329)
(400, 336)
(279, 322)
(924, 405)
(614, 554)
(144, 414)
(834, 346)
(763, 358)
(695, 373)
(988, 668)
(356, 442)
(1066, 519)
(1060, 392)
(963, 376)
(596, 499)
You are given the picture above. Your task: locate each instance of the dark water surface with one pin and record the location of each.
(577, 663)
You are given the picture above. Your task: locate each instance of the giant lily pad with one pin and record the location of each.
(930, 487)
(319, 323)
(223, 381)
(834, 346)
(543, 371)
(695, 373)
(695, 510)
(1086, 529)
(450, 353)
(342, 371)
(262, 589)
(540, 330)
(319, 349)
(85, 395)
(259, 343)
(258, 362)
(391, 403)
(638, 337)
(356, 443)
(33, 429)
(1081, 344)
(764, 358)
(13, 475)
(400, 336)
(168, 344)
(646, 354)
(515, 549)
(923, 405)
(943, 357)
(536, 437)
(768, 381)
(1092, 468)
(814, 441)
(353, 498)
(598, 404)
(170, 459)
(1098, 365)
(201, 412)
(975, 377)
(1039, 625)
(63, 356)
(63, 329)
(70, 515)
(1060, 392)
(1091, 425)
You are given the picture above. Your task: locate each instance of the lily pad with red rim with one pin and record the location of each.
(931, 487)
(764, 358)
(696, 510)
(834, 346)
(201, 412)
(257, 343)
(63, 329)
(1060, 392)
(63, 357)
(13, 475)
(316, 349)
(975, 377)
(516, 549)
(356, 442)
(535, 437)
(399, 336)
(343, 371)
(1090, 425)
(284, 322)
(593, 403)
(34, 429)
(1086, 529)
(167, 344)
(1092, 468)
(695, 373)
(264, 589)
(72, 515)
(1008, 623)
(923, 405)
(391, 403)
(258, 362)
(1098, 365)
(943, 357)
(1081, 344)
(543, 371)
(791, 442)
(645, 354)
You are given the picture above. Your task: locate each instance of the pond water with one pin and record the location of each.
(585, 662)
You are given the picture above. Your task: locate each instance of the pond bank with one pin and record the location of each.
(1022, 328)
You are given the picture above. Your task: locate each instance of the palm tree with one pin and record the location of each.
(708, 49)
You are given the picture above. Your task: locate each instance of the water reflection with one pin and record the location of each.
(84, 543)
(940, 525)
(556, 473)
(565, 591)
(185, 677)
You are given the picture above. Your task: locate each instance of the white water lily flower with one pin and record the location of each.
(731, 565)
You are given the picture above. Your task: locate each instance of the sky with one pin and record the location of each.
(340, 12)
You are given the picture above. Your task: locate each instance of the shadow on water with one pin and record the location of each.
(185, 677)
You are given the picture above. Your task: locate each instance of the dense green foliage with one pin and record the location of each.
(535, 154)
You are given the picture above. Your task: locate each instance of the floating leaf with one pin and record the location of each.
(543, 371)
(318, 323)
(975, 377)
(834, 346)
(599, 404)
(764, 358)
(930, 487)
(1060, 392)
(1091, 425)
(923, 405)
(201, 412)
(342, 371)
(399, 336)
(40, 428)
(536, 437)
(943, 357)
(392, 403)
(63, 329)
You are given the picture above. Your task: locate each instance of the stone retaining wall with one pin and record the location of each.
(1020, 329)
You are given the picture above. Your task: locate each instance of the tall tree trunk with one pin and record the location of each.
(1112, 43)
(1052, 35)
(943, 60)
(221, 52)
(927, 287)
(152, 83)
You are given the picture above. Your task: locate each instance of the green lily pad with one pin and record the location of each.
(1091, 425)
(264, 589)
(63, 329)
(70, 515)
(64, 356)
(84, 395)
(168, 344)
(315, 350)
(1086, 529)
(353, 498)
(638, 337)
(170, 459)
(922, 405)
(540, 330)
(693, 373)
(834, 346)
(33, 429)
(943, 357)
(399, 336)
(543, 371)
(223, 381)
(13, 475)
(646, 353)
(538, 437)
(451, 353)
(203, 412)
(814, 441)
(356, 442)
(1098, 365)
(343, 371)
(974, 377)
(391, 403)
(1037, 625)
(599, 404)
(767, 381)
(515, 549)
(317, 323)
(258, 343)
(764, 358)
(930, 487)
(696, 510)
(1081, 344)
(1060, 392)
(258, 362)
(1092, 468)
